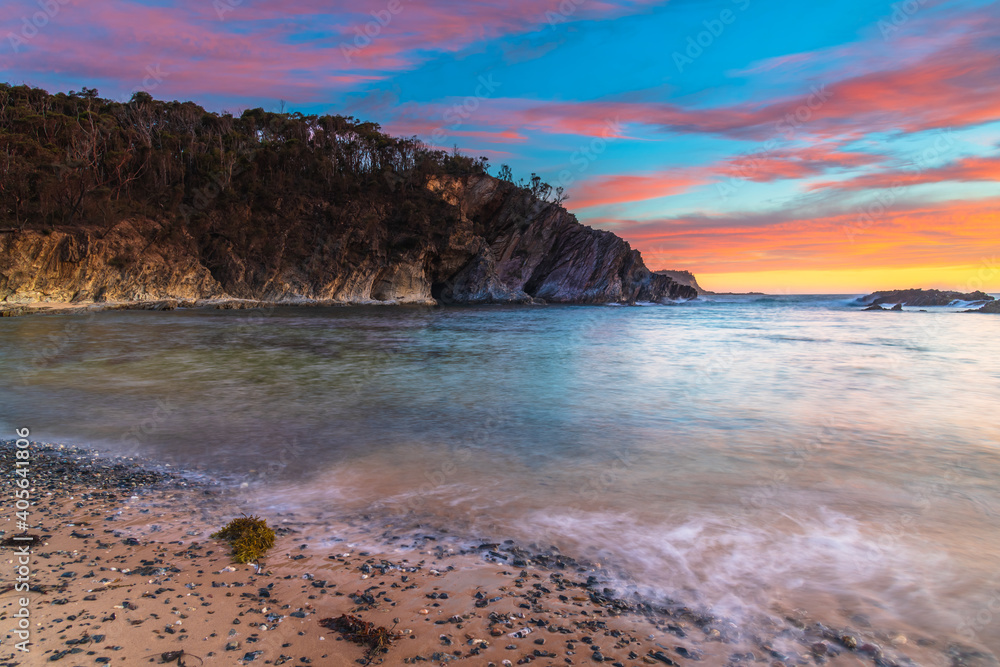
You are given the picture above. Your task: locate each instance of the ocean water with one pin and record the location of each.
(748, 455)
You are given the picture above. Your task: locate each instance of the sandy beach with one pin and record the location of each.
(125, 572)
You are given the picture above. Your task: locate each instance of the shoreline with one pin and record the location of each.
(62, 307)
(148, 579)
(168, 304)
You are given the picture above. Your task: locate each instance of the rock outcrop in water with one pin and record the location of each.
(921, 297)
(495, 244)
(989, 307)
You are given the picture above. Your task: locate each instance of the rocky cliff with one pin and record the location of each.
(490, 242)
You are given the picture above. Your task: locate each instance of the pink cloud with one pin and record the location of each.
(625, 188)
(257, 48)
(964, 84)
(790, 163)
(958, 71)
(966, 169)
(125, 42)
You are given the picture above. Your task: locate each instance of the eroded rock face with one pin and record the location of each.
(120, 264)
(537, 250)
(494, 244)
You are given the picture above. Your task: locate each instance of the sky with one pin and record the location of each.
(765, 145)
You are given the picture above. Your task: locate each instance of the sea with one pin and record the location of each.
(755, 456)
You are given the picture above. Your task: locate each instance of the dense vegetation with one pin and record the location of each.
(78, 159)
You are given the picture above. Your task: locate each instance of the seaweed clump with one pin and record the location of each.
(376, 639)
(249, 536)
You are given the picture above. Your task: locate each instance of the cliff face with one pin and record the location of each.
(121, 264)
(491, 243)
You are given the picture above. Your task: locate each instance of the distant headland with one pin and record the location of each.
(689, 279)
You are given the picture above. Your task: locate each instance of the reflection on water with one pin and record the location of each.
(740, 454)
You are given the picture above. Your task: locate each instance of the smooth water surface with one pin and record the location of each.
(752, 454)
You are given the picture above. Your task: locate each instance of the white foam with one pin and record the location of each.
(741, 568)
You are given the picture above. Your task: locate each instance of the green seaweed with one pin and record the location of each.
(249, 536)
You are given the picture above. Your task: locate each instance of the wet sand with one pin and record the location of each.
(126, 571)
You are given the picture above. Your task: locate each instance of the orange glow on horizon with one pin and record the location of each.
(945, 245)
(985, 277)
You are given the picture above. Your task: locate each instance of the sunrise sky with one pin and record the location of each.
(765, 145)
